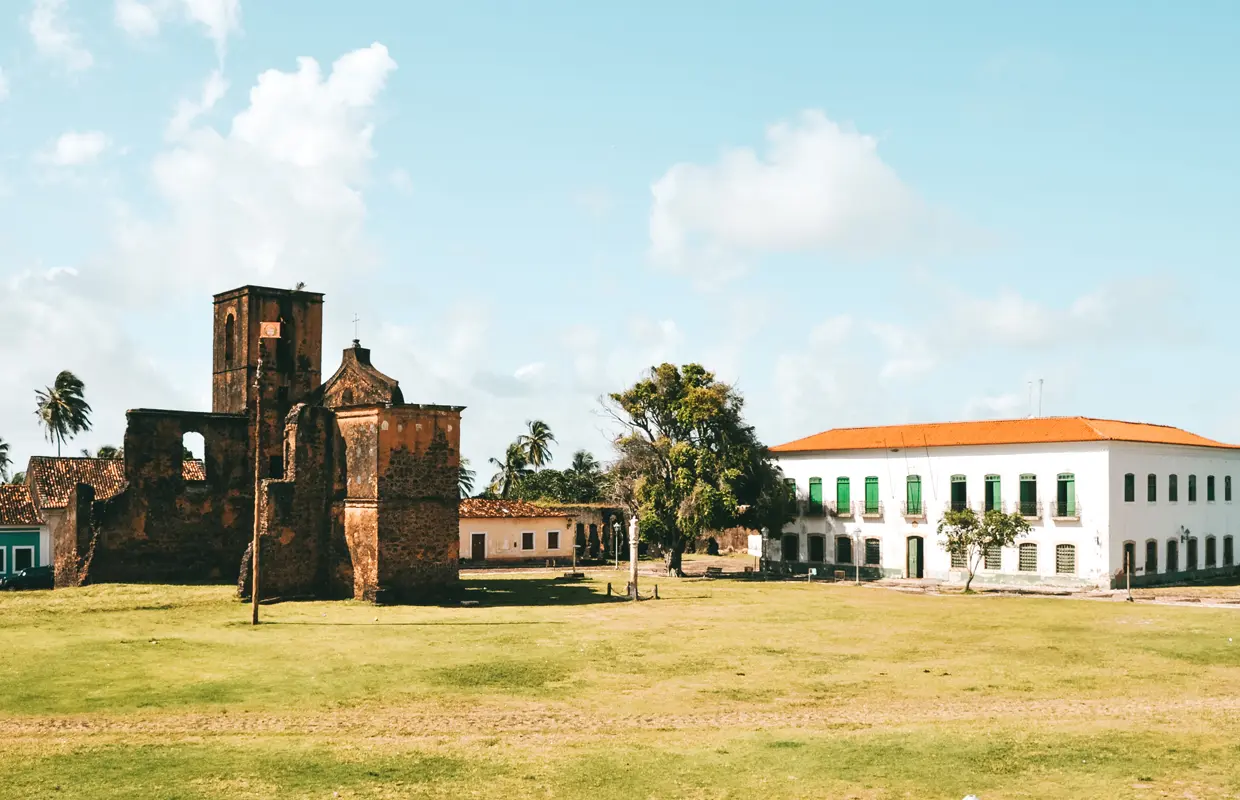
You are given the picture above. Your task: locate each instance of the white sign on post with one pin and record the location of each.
(755, 545)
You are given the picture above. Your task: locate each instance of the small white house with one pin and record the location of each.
(24, 539)
(1098, 494)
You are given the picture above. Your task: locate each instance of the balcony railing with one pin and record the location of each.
(812, 508)
(956, 505)
(999, 506)
(872, 510)
(842, 510)
(1030, 509)
(1065, 511)
(914, 511)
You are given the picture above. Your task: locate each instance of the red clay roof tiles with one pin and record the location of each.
(53, 478)
(16, 505)
(1037, 430)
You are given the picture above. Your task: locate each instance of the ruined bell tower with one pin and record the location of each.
(291, 365)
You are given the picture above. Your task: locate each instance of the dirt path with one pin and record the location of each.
(415, 722)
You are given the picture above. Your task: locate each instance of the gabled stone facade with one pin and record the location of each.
(357, 489)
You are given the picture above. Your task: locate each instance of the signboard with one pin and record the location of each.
(269, 330)
(755, 545)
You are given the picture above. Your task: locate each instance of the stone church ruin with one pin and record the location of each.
(357, 488)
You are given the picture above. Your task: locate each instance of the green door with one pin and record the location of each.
(915, 560)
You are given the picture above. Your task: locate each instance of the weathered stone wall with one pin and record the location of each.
(418, 501)
(71, 540)
(295, 511)
(163, 528)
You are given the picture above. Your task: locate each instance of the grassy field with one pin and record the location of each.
(721, 689)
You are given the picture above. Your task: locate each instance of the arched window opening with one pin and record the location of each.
(1151, 557)
(193, 457)
(230, 340)
(1028, 557)
(843, 550)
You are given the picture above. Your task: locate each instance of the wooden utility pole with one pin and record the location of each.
(266, 330)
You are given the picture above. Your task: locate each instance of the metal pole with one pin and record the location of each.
(633, 555)
(1128, 574)
(258, 477)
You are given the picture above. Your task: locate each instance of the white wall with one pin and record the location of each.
(1087, 461)
(503, 536)
(1161, 520)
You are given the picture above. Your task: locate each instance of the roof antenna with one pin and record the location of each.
(1039, 397)
(1029, 407)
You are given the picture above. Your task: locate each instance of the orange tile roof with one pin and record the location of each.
(479, 508)
(52, 478)
(16, 505)
(1038, 430)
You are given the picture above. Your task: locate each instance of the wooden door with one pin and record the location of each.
(478, 547)
(916, 565)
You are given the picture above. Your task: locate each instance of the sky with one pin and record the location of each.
(858, 213)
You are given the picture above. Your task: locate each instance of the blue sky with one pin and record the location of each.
(861, 213)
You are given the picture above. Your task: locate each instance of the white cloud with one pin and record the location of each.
(54, 39)
(136, 18)
(277, 197)
(819, 187)
(188, 111)
(74, 149)
(401, 181)
(221, 18)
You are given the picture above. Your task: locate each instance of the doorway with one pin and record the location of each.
(916, 557)
(478, 547)
(788, 550)
(817, 549)
(1130, 558)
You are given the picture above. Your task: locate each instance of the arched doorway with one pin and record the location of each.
(916, 567)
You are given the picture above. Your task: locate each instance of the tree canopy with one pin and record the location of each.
(687, 462)
(968, 536)
(62, 409)
(5, 461)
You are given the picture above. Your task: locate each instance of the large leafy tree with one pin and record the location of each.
(110, 451)
(62, 409)
(5, 461)
(969, 536)
(509, 471)
(536, 443)
(688, 462)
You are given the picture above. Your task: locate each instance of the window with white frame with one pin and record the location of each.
(23, 558)
(1065, 559)
(1028, 557)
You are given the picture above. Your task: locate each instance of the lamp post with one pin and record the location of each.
(615, 540)
(633, 555)
(266, 330)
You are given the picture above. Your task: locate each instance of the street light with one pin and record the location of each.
(615, 540)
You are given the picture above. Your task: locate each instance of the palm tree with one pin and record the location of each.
(514, 465)
(465, 479)
(18, 478)
(62, 409)
(584, 462)
(5, 461)
(537, 443)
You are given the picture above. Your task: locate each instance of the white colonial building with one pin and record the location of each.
(1092, 490)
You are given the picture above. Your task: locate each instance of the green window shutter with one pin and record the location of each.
(1151, 490)
(843, 497)
(1227, 488)
(1173, 488)
(1130, 488)
(1192, 488)
(993, 498)
(815, 494)
(871, 495)
(914, 494)
(1209, 488)
(1066, 495)
(791, 484)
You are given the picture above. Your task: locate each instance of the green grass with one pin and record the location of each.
(721, 689)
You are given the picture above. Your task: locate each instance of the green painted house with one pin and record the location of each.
(24, 539)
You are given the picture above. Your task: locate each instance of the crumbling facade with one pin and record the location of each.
(357, 489)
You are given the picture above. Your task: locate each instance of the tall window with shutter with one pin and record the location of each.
(993, 500)
(871, 494)
(815, 495)
(913, 495)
